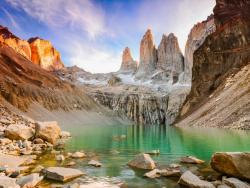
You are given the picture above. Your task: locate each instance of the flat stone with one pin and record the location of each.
(18, 132)
(168, 172)
(7, 182)
(62, 174)
(142, 161)
(190, 180)
(235, 183)
(48, 131)
(156, 173)
(13, 161)
(29, 181)
(191, 160)
(94, 163)
(236, 164)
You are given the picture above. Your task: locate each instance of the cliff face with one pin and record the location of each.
(20, 46)
(222, 55)
(45, 55)
(148, 55)
(128, 63)
(169, 55)
(196, 38)
(38, 51)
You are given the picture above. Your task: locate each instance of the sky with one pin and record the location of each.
(93, 33)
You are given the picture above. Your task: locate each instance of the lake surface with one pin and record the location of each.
(173, 143)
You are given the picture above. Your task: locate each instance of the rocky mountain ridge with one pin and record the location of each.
(38, 51)
(224, 56)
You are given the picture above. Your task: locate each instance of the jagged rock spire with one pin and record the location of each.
(128, 63)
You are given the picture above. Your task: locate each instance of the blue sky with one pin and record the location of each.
(93, 33)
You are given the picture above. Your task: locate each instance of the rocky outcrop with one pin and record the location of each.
(170, 58)
(196, 38)
(148, 55)
(39, 51)
(232, 164)
(20, 46)
(45, 55)
(224, 53)
(129, 65)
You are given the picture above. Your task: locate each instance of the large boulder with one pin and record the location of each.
(188, 179)
(142, 161)
(235, 183)
(62, 174)
(49, 131)
(18, 132)
(235, 164)
(29, 181)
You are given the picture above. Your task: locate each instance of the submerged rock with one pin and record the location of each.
(18, 132)
(235, 164)
(156, 173)
(62, 174)
(49, 131)
(190, 180)
(78, 155)
(142, 161)
(191, 160)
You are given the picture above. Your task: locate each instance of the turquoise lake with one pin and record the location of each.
(173, 143)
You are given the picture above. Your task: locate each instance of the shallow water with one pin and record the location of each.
(172, 142)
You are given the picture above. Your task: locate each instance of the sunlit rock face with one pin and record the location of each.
(223, 53)
(170, 58)
(45, 55)
(20, 46)
(148, 55)
(196, 38)
(128, 63)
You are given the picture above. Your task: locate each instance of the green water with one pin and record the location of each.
(172, 142)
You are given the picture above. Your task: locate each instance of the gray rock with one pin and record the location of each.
(7, 182)
(18, 132)
(94, 163)
(29, 181)
(142, 161)
(235, 183)
(190, 180)
(62, 174)
(48, 131)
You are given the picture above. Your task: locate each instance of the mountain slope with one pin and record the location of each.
(22, 83)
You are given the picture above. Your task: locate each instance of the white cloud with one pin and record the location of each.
(93, 58)
(77, 14)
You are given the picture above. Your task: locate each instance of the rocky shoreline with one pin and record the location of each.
(21, 150)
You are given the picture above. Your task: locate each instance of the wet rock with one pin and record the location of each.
(156, 173)
(78, 155)
(190, 180)
(169, 172)
(60, 158)
(29, 181)
(94, 163)
(232, 163)
(65, 134)
(191, 160)
(142, 161)
(48, 131)
(72, 163)
(153, 152)
(18, 132)
(7, 182)
(62, 174)
(235, 183)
